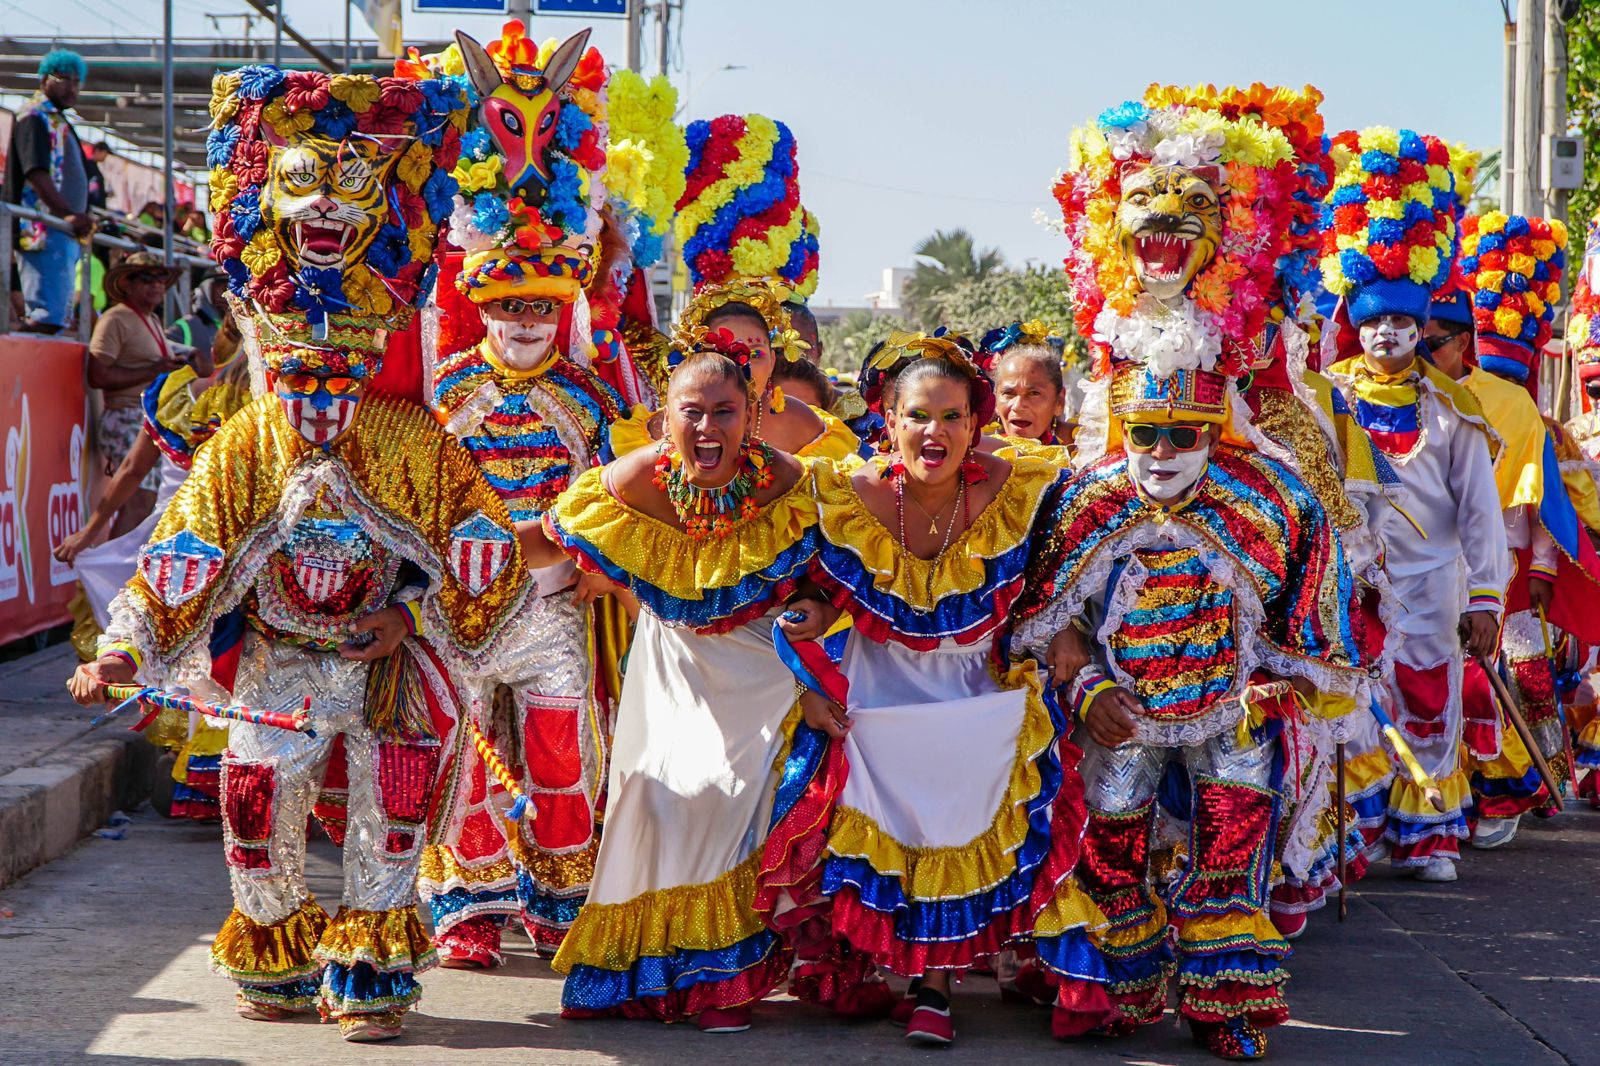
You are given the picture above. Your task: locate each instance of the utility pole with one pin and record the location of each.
(1508, 115)
(277, 34)
(166, 132)
(348, 4)
(635, 19)
(663, 24)
(1530, 92)
(521, 9)
(1562, 386)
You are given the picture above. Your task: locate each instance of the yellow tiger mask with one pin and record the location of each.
(1169, 223)
(326, 199)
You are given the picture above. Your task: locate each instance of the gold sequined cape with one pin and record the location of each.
(412, 485)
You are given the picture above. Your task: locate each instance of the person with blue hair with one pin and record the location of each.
(45, 172)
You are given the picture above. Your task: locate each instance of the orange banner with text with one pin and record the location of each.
(44, 422)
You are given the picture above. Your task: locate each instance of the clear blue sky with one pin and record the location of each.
(916, 115)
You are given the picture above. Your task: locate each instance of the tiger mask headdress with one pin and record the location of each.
(326, 199)
(1169, 223)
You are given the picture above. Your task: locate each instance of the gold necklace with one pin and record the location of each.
(932, 516)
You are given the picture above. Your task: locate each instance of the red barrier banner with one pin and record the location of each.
(44, 422)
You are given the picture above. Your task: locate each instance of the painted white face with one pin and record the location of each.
(320, 410)
(1170, 478)
(1389, 337)
(521, 344)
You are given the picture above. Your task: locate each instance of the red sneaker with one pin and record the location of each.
(900, 1013)
(931, 1026)
(728, 1020)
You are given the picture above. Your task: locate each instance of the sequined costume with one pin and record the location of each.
(531, 433)
(669, 929)
(267, 554)
(1187, 606)
(943, 828)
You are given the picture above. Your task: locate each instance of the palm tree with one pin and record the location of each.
(945, 260)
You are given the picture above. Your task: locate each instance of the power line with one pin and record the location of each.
(59, 32)
(923, 192)
(110, 16)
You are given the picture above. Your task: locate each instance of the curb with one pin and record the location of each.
(47, 808)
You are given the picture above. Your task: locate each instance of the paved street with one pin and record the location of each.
(103, 960)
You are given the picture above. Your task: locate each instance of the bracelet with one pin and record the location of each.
(1089, 683)
(126, 652)
(412, 610)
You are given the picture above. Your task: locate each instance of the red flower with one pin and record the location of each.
(1383, 187)
(399, 94)
(1438, 154)
(273, 289)
(250, 163)
(1349, 219)
(305, 90)
(591, 71)
(1392, 260)
(1412, 171)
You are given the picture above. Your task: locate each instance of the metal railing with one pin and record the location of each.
(9, 213)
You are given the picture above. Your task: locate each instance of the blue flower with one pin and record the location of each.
(246, 211)
(571, 124)
(335, 121)
(1386, 231)
(439, 193)
(1541, 271)
(257, 82)
(430, 126)
(1412, 146)
(489, 213)
(220, 145)
(1126, 114)
(1486, 300)
(318, 290)
(425, 285)
(238, 275)
(563, 204)
(441, 96)
(1516, 226)
(1515, 283)
(476, 144)
(1375, 162)
(1346, 194)
(390, 250)
(1357, 268)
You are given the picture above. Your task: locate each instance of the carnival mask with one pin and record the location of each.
(1169, 223)
(1169, 476)
(319, 408)
(326, 199)
(520, 109)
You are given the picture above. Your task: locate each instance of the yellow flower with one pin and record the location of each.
(358, 92)
(451, 62)
(1419, 191)
(366, 291)
(1507, 322)
(1520, 263)
(1333, 276)
(1558, 232)
(1386, 209)
(420, 240)
(224, 98)
(262, 253)
(415, 165)
(1543, 250)
(1439, 177)
(283, 123)
(1345, 241)
(1491, 280)
(1381, 138)
(1535, 305)
(1423, 263)
(223, 187)
(475, 177)
(1492, 222)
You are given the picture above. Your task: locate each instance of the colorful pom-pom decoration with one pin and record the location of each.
(1514, 266)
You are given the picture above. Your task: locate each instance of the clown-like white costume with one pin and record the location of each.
(1441, 528)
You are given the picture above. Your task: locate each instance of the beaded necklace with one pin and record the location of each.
(713, 512)
(960, 508)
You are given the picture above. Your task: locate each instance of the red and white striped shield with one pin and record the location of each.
(180, 567)
(479, 550)
(319, 576)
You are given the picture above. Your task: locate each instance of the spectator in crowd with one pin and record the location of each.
(198, 329)
(45, 172)
(126, 352)
(194, 226)
(99, 152)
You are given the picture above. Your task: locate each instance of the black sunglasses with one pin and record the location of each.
(1144, 437)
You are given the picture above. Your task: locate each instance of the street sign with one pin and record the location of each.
(463, 7)
(595, 9)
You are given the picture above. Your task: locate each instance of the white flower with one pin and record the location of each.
(1128, 142)
(463, 234)
(1165, 339)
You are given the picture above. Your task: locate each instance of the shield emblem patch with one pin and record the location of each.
(320, 576)
(479, 550)
(180, 567)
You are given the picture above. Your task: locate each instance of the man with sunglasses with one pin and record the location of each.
(528, 408)
(1197, 589)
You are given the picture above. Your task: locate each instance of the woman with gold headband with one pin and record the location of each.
(1030, 390)
(711, 529)
(941, 812)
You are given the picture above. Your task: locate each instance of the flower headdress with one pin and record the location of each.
(1389, 226)
(720, 341)
(993, 345)
(323, 293)
(766, 297)
(740, 214)
(1514, 265)
(534, 231)
(645, 160)
(1186, 212)
(1583, 324)
(901, 348)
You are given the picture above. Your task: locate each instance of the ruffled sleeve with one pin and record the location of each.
(168, 407)
(711, 586)
(837, 442)
(628, 434)
(892, 595)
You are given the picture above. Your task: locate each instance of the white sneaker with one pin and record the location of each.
(1492, 832)
(1439, 870)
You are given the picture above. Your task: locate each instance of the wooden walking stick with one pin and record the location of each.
(1509, 704)
(1340, 827)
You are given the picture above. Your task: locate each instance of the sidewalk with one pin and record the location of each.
(59, 779)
